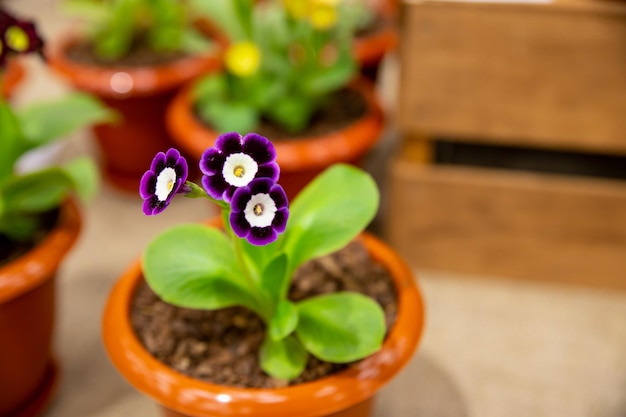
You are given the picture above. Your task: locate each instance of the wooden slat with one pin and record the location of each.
(544, 75)
(510, 224)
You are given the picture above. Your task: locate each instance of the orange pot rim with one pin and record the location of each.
(39, 264)
(317, 398)
(127, 81)
(371, 49)
(296, 154)
(12, 75)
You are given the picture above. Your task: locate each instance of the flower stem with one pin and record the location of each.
(262, 309)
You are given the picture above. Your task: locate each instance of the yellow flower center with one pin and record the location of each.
(243, 59)
(17, 39)
(258, 209)
(239, 171)
(323, 14)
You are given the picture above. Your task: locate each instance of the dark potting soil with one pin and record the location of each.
(222, 346)
(140, 55)
(342, 109)
(11, 249)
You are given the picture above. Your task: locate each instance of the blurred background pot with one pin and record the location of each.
(300, 157)
(11, 77)
(140, 95)
(27, 314)
(348, 393)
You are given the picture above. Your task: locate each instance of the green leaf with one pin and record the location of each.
(47, 121)
(209, 88)
(230, 117)
(37, 191)
(193, 42)
(283, 359)
(331, 78)
(222, 13)
(291, 112)
(329, 212)
(85, 176)
(11, 146)
(340, 327)
(274, 278)
(284, 321)
(195, 266)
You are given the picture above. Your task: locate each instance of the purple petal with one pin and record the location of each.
(259, 148)
(280, 220)
(240, 199)
(271, 171)
(147, 185)
(214, 185)
(158, 163)
(239, 224)
(260, 185)
(229, 143)
(277, 193)
(260, 236)
(212, 162)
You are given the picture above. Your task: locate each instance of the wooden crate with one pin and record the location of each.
(501, 223)
(545, 75)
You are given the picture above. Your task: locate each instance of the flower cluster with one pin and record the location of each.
(240, 171)
(251, 260)
(17, 37)
(286, 58)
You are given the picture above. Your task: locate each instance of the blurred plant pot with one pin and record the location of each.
(27, 315)
(11, 77)
(300, 158)
(347, 393)
(372, 43)
(141, 95)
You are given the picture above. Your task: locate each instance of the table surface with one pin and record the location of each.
(492, 346)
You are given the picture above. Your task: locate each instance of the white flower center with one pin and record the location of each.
(260, 210)
(239, 169)
(164, 184)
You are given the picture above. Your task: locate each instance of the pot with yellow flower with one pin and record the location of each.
(134, 56)
(288, 78)
(39, 223)
(241, 317)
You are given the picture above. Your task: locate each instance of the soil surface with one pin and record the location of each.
(222, 346)
(11, 249)
(140, 55)
(342, 109)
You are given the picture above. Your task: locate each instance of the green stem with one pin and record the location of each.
(262, 304)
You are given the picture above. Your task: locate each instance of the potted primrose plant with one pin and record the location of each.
(39, 223)
(134, 55)
(234, 317)
(287, 76)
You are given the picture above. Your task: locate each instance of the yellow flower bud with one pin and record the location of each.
(243, 59)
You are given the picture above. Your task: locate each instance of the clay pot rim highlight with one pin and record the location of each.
(130, 81)
(38, 264)
(330, 394)
(297, 153)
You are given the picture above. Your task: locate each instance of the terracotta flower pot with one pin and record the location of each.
(11, 76)
(348, 393)
(140, 95)
(300, 158)
(27, 308)
(371, 46)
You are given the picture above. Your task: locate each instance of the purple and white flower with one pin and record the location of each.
(259, 211)
(235, 161)
(166, 177)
